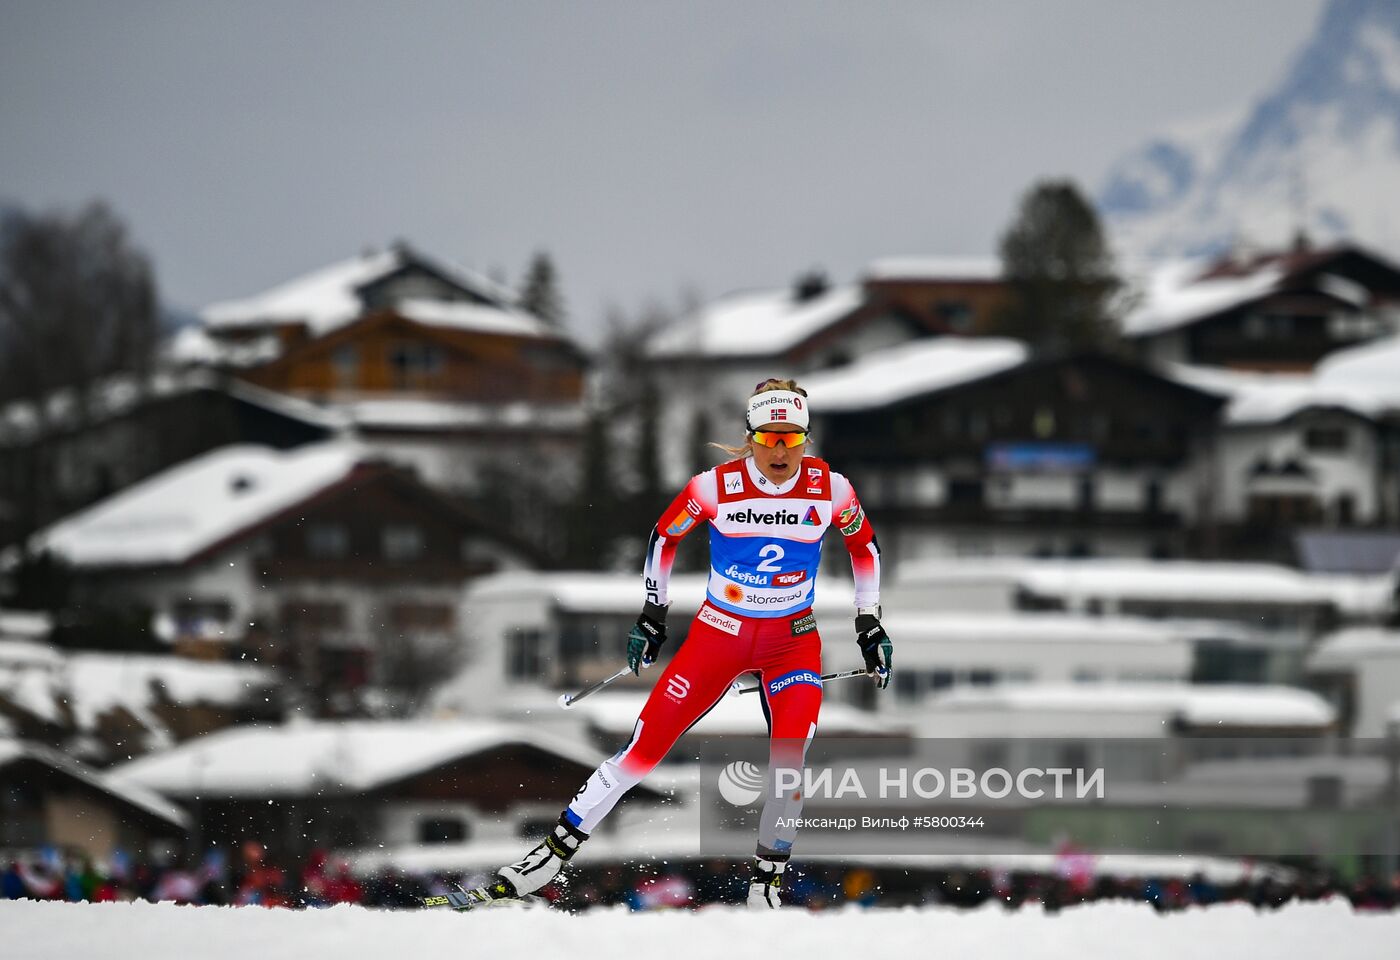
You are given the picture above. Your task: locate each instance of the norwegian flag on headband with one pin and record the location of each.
(778, 414)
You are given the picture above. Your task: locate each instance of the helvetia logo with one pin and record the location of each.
(751, 516)
(741, 783)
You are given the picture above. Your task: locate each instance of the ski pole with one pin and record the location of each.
(567, 700)
(735, 689)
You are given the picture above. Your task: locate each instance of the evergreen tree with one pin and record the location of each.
(592, 525)
(700, 454)
(539, 293)
(1059, 274)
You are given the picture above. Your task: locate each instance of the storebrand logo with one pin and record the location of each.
(718, 620)
(770, 599)
(749, 515)
(677, 687)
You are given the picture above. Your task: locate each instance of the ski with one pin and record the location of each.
(463, 899)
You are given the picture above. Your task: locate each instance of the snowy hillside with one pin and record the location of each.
(1325, 141)
(143, 931)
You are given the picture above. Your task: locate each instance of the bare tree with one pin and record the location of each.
(77, 303)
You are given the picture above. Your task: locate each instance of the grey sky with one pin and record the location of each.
(646, 145)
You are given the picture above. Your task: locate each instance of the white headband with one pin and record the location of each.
(777, 406)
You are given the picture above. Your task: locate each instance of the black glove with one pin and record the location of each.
(647, 635)
(876, 647)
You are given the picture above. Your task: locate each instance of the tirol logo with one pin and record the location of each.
(741, 783)
(812, 519)
(749, 515)
(788, 579)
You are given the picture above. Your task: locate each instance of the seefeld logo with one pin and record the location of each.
(741, 783)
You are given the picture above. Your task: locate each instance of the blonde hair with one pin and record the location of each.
(772, 383)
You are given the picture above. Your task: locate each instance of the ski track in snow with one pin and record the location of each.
(144, 931)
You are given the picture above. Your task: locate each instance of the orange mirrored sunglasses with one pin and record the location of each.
(770, 439)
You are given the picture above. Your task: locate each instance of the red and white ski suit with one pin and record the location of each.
(765, 548)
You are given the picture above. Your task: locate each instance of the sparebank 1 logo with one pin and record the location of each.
(741, 783)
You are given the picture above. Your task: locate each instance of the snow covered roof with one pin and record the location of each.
(330, 297)
(619, 593)
(922, 367)
(305, 758)
(24, 625)
(1265, 398)
(80, 688)
(394, 413)
(475, 317)
(616, 713)
(1038, 628)
(176, 514)
(1353, 646)
(1177, 296)
(950, 269)
(754, 324)
(122, 393)
(1165, 580)
(1373, 366)
(1197, 704)
(132, 794)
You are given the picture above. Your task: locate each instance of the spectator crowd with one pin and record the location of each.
(250, 877)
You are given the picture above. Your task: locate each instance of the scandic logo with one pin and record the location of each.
(749, 516)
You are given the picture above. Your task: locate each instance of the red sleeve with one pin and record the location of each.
(848, 516)
(695, 504)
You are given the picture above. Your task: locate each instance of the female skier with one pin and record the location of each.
(767, 511)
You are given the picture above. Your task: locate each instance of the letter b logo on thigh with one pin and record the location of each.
(677, 687)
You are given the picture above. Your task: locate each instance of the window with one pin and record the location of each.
(403, 543)
(1325, 439)
(957, 314)
(1152, 496)
(345, 365)
(966, 492)
(202, 617)
(327, 541)
(524, 654)
(442, 830)
(1346, 510)
(1086, 493)
(421, 616)
(414, 363)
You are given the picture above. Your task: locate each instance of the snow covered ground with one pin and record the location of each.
(144, 931)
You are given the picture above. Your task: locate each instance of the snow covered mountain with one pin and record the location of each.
(1321, 151)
